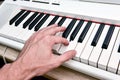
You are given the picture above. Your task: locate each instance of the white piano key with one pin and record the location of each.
(75, 41)
(105, 55)
(80, 46)
(58, 46)
(58, 20)
(71, 45)
(115, 57)
(97, 49)
(114, 63)
(62, 47)
(88, 48)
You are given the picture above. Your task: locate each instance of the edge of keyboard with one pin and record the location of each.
(75, 65)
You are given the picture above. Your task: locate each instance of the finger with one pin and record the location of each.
(67, 56)
(39, 34)
(44, 29)
(51, 30)
(54, 30)
(57, 40)
(47, 28)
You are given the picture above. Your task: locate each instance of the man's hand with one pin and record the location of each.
(37, 58)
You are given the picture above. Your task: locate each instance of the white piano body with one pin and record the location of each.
(89, 11)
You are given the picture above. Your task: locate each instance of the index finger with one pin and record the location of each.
(57, 40)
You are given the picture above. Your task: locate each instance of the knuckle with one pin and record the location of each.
(46, 39)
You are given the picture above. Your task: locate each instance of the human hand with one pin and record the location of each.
(37, 56)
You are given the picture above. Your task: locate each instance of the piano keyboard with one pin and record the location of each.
(97, 44)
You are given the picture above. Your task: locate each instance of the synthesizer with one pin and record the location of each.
(92, 29)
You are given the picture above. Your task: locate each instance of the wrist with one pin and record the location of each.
(14, 71)
(4, 72)
(18, 72)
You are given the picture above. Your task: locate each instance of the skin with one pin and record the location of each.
(36, 57)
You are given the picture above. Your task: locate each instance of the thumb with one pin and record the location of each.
(67, 56)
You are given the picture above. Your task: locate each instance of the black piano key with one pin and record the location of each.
(22, 18)
(108, 37)
(53, 20)
(84, 32)
(69, 28)
(98, 34)
(76, 30)
(16, 17)
(35, 21)
(61, 21)
(30, 19)
(41, 22)
(119, 49)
